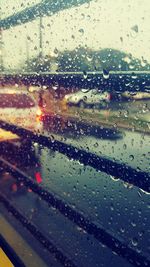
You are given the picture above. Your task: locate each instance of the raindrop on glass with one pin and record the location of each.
(105, 74)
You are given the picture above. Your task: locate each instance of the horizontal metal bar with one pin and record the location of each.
(70, 73)
(10, 253)
(119, 81)
(119, 170)
(116, 245)
(58, 254)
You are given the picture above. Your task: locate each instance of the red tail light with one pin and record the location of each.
(39, 115)
(38, 177)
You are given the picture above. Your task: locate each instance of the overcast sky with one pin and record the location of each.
(10, 7)
(118, 24)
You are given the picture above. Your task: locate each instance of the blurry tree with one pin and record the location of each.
(79, 59)
(41, 64)
(86, 59)
(113, 59)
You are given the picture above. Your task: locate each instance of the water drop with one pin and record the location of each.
(105, 74)
(124, 146)
(82, 16)
(145, 192)
(122, 230)
(84, 74)
(81, 31)
(134, 242)
(55, 52)
(85, 98)
(114, 178)
(126, 113)
(127, 59)
(131, 157)
(134, 76)
(89, 58)
(52, 139)
(133, 224)
(135, 28)
(96, 144)
(55, 86)
(131, 66)
(121, 39)
(143, 63)
(134, 31)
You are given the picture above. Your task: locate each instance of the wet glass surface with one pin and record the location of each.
(74, 130)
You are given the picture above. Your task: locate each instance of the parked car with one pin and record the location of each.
(136, 95)
(19, 108)
(88, 97)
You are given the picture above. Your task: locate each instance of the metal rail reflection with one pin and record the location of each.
(115, 244)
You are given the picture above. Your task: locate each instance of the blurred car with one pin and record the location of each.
(88, 97)
(19, 108)
(136, 95)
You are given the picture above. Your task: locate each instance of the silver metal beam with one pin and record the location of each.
(44, 8)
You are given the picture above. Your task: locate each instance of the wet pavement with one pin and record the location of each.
(128, 147)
